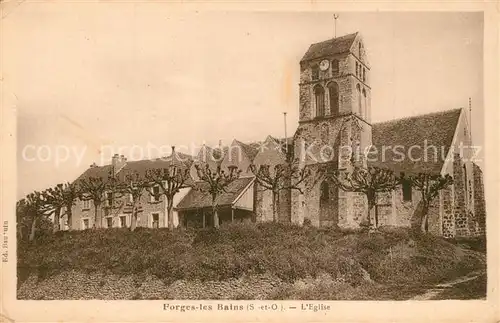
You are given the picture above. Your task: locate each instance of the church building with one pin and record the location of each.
(334, 114)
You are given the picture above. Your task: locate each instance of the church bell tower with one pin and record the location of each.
(334, 124)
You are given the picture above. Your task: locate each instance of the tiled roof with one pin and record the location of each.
(97, 171)
(249, 150)
(332, 46)
(434, 129)
(199, 198)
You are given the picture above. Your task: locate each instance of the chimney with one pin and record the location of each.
(93, 165)
(117, 162)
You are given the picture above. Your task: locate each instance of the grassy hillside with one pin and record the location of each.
(392, 257)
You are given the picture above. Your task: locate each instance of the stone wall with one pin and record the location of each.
(479, 201)
(73, 285)
(461, 216)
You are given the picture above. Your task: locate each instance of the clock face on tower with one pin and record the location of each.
(324, 64)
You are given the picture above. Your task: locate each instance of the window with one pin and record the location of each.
(325, 192)
(123, 221)
(155, 197)
(86, 204)
(364, 75)
(333, 92)
(109, 198)
(358, 90)
(407, 191)
(465, 184)
(365, 109)
(86, 224)
(335, 67)
(315, 72)
(109, 222)
(357, 68)
(319, 95)
(360, 46)
(155, 220)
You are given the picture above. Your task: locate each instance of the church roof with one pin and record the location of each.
(198, 197)
(332, 46)
(428, 130)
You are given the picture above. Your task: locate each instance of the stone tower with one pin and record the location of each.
(334, 121)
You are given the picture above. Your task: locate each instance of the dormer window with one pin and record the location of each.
(335, 67)
(315, 72)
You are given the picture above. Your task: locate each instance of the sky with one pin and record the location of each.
(87, 79)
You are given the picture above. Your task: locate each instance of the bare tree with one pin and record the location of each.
(134, 186)
(429, 186)
(369, 181)
(218, 180)
(93, 189)
(70, 194)
(36, 209)
(55, 202)
(170, 180)
(280, 177)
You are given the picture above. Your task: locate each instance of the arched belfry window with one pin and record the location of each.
(357, 68)
(358, 90)
(325, 192)
(333, 93)
(315, 72)
(365, 110)
(364, 75)
(319, 100)
(335, 67)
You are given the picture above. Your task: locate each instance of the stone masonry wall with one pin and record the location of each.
(74, 285)
(461, 216)
(479, 201)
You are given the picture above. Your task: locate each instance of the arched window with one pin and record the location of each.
(315, 72)
(365, 108)
(325, 192)
(335, 67)
(364, 75)
(333, 93)
(357, 68)
(465, 185)
(319, 96)
(358, 90)
(360, 48)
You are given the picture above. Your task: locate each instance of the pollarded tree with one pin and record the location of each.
(217, 182)
(134, 186)
(280, 177)
(429, 186)
(369, 181)
(170, 180)
(70, 194)
(93, 189)
(36, 208)
(55, 202)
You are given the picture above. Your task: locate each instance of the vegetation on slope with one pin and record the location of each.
(391, 256)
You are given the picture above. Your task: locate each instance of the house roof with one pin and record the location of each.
(332, 46)
(248, 149)
(424, 131)
(198, 197)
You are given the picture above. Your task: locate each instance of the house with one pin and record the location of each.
(334, 125)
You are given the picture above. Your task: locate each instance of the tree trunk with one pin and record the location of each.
(96, 218)
(69, 213)
(371, 204)
(274, 205)
(424, 219)
(214, 212)
(419, 216)
(33, 229)
(133, 220)
(57, 219)
(170, 211)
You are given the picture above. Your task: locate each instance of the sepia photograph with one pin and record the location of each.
(234, 156)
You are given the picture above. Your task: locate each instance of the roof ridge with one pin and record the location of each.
(419, 116)
(337, 38)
